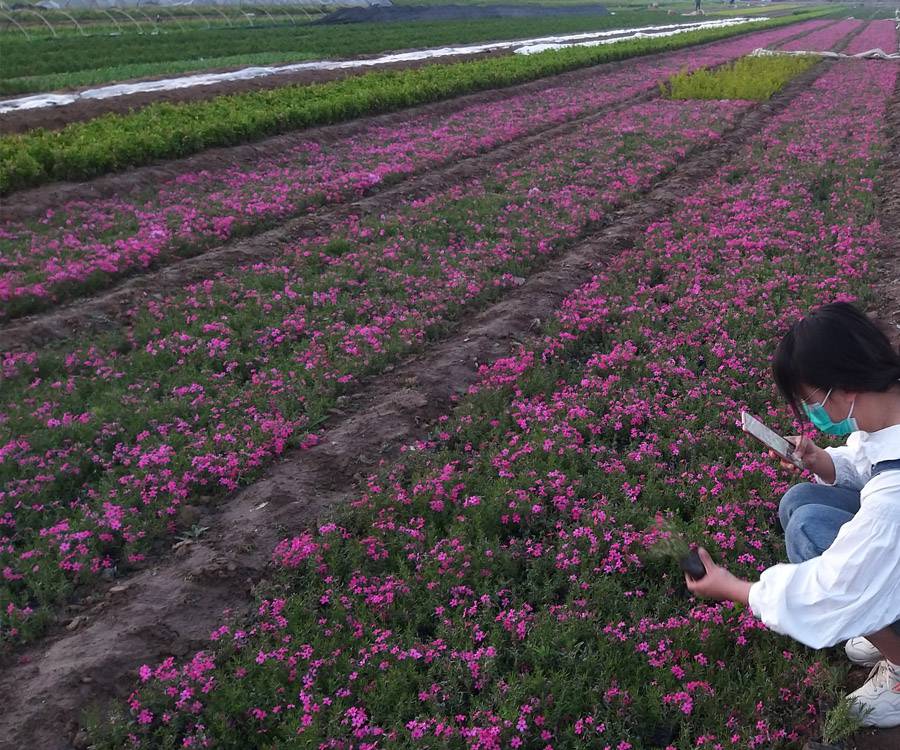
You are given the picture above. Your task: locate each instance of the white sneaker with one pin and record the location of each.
(861, 651)
(877, 702)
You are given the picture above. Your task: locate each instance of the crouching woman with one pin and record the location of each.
(842, 532)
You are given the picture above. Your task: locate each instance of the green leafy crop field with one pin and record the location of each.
(48, 63)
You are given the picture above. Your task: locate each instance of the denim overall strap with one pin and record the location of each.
(892, 465)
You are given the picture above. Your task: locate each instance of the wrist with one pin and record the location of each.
(739, 591)
(823, 466)
(814, 463)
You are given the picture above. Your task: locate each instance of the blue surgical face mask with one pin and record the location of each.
(822, 422)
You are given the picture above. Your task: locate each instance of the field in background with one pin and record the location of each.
(48, 64)
(117, 141)
(45, 62)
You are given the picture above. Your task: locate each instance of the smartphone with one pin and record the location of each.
(752, 426)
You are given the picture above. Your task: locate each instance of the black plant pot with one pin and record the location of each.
(693, 565)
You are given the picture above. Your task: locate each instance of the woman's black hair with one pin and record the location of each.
(835, 346)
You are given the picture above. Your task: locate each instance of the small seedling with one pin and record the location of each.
(841, 722)
(193, 534)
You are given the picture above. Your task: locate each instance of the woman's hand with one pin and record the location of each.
(804, 449)
(814, 458)
(718, 583)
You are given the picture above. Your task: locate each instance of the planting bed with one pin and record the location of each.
(826, 38)
(444, 415)
(877, 35)
(301, 325)
(54, 118)
(71, 61)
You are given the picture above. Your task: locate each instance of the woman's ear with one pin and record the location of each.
(843, 399)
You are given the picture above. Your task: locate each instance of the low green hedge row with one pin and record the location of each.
(753, 78)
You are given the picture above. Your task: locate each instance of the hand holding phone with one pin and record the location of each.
(772, 440)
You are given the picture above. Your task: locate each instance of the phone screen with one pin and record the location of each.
(752, 426)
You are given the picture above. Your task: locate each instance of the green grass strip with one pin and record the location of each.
(753, 78)
(115, 142)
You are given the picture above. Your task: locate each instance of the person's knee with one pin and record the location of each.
(796, 497)
(796, 539)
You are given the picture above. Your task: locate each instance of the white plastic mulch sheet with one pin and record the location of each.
(541, 45)
(521, 46)
(872, 54)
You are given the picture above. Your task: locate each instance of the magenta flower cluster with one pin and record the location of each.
(881, 35)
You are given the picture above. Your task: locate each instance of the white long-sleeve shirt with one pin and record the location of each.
(853, 588)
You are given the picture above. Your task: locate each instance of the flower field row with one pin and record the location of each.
(492, 591)
(824, 39)
(877, 35)
(81, 246)
(163, 131)
(101, 442)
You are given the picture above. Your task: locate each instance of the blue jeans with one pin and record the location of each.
(811, 516)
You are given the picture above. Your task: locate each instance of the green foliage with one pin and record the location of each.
(164, 131)
(54, 62)
(19, 167)
(841, 722)
(754, 78)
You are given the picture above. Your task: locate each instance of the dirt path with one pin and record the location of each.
(172, 607)
(845, 42)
